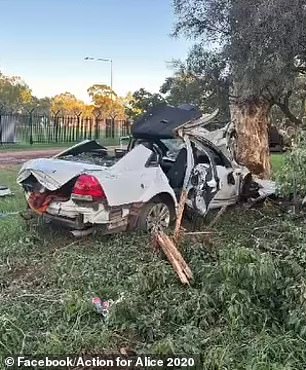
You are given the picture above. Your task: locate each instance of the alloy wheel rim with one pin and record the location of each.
(158, 218)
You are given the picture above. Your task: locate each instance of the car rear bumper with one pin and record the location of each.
(81, 216)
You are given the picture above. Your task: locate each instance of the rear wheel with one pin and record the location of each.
(155, 216)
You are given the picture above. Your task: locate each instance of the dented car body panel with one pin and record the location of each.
(142, 186)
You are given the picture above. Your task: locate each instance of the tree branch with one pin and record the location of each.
(300, 69)
(284, 106)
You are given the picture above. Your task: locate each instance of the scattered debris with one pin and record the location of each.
(82, 233)
(174, 256)
(199, 232)
(7, 214)
(266, 187)
(5, 191)
(102, 307)
(127, 351)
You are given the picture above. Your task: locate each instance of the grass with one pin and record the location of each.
(245, 309)
(42, 146)
(277, 160)
(22, 147)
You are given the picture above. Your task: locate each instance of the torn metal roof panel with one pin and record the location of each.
(160, 122)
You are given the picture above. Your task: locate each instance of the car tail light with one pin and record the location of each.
(88, 188)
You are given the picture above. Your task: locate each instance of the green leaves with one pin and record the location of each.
(291, 179)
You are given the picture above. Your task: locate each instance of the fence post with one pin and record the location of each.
(56, 125)
(78, 127)
(31, 125)
(97, 119)
(113, 122)
(1, 110)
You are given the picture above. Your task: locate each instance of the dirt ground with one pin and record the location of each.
(13, 158)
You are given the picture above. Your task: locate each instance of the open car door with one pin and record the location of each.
(201, 180)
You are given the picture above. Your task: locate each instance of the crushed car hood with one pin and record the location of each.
(267, 187)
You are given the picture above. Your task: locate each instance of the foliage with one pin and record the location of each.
(43, 105)
(142, 101)
(67, 103)
(15, 95)
(290, 108)
(263, 42)
(244, 310)
(292, 178)
(202, 81)
(263, 45)
(106, 102)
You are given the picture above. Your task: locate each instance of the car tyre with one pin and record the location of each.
(155, 216)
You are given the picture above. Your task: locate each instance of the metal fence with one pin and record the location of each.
(35, 128)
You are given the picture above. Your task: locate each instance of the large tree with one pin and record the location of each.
(264, 43)
(141, 101)
(106, 102)
(201, 80)
(67, 103)
(15, 95)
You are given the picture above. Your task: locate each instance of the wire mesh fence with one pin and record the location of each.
(34, 128)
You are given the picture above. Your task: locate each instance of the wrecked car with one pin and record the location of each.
(85, 187)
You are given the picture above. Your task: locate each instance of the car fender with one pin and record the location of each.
(135, 186)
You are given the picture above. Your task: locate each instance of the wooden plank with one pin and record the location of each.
(177, 255)
(175, 264)
(181, 207)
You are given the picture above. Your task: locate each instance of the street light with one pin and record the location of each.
(111, 66)
(111, 71)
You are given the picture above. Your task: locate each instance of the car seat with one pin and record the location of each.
(176, 174)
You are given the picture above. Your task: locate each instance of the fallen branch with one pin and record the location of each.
(199, 232)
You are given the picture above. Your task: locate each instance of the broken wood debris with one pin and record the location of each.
(175, 258)
(181, 207)
(168, 245)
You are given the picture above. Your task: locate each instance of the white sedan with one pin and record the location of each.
(84, 187)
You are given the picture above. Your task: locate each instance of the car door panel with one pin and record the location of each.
(201, 180)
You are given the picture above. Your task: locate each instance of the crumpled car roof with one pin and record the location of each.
(160, 122)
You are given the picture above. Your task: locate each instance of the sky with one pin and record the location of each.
(45, 42)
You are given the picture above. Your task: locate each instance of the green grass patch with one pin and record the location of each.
(42, 146)
(277, 160)
(22, 147)
(244, 310)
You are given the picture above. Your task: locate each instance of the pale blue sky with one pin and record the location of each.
(45, 42)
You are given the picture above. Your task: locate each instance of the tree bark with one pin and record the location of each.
(251, 120)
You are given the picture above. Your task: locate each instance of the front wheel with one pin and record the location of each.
(154, 217)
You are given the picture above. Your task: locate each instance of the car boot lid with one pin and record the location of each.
(53, 173)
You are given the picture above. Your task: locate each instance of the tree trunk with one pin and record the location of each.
(251, 120)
